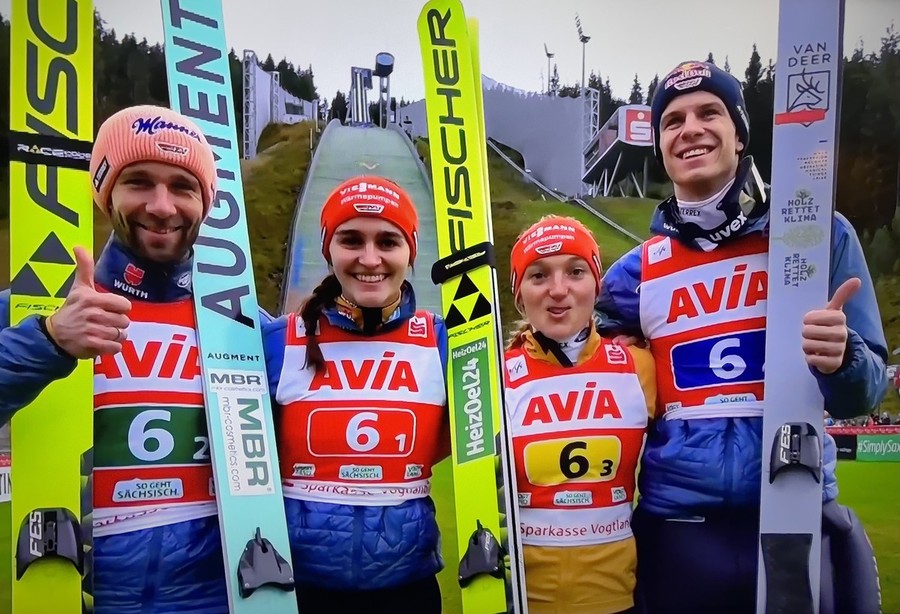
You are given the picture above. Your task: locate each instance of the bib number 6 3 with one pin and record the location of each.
(572, 460)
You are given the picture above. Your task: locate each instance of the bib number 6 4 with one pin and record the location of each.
(731, 358)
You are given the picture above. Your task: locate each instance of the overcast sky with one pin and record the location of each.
(627, 36)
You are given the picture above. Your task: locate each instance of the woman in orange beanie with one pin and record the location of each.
(358, 375)
(579, 405)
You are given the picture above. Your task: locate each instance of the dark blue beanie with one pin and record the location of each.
(690, 77)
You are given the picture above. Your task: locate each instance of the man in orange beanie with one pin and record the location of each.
(156, 536)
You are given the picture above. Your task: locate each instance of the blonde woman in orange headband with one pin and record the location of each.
(579, 405)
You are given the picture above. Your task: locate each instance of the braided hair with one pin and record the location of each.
(323, 296)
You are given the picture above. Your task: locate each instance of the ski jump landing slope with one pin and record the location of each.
(344, 152)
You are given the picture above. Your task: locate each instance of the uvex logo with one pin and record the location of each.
(385, 373)
(171, 359)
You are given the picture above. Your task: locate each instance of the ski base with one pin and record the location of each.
(786, 561)
(799, 259)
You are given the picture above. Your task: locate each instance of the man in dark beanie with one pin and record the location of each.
(697, 292)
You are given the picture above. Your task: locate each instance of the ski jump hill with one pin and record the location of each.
(567, 155)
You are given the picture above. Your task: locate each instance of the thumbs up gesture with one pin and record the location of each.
(825, 330)
(89, 323)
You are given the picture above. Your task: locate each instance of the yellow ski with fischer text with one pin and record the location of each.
(483, 476)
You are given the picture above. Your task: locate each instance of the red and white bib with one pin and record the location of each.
(151, 451)
(365, 430)
(577, 437)
(705, 316)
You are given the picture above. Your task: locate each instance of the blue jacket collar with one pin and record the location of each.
(120, 271)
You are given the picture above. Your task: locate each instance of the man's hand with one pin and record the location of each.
(89, 323)
(825, 330)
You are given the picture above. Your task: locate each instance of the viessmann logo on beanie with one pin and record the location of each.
(690, 77)
(370, 196)
(553, 235)
(147, 133)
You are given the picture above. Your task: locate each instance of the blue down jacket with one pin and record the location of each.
(169, 569)
(694, 465)
(358, 547)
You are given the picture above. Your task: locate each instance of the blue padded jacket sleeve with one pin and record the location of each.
(619, 303)
(860, 384)
(440, 331)
(273, 334)
(29, 361)
(265, 316)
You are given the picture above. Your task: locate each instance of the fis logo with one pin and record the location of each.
(516, 368)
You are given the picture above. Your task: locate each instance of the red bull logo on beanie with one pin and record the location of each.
(688, 75)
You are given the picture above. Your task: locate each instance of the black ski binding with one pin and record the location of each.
(462, 261)
(49, 532)
(260, 565)
(483, 555)
(796, 445)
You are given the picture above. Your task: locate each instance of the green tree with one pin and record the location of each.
(338, 107)
(754, 70)
(637, 92)
(651, 89)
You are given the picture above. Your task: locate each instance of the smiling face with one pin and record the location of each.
(156, 210)
(557, 295)
(699, 145)
(369, 257)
